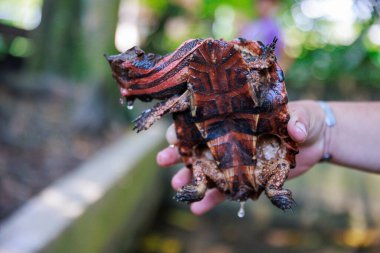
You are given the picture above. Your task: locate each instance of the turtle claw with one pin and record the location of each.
(137, 129)
(284, 202)
(144, 120)
(188, 194)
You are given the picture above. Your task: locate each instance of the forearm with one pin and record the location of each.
(355, 139)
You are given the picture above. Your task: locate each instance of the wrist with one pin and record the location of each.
(329, 123)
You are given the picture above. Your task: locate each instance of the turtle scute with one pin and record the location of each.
(228, 100)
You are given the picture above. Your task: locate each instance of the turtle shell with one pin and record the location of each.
(228, 99)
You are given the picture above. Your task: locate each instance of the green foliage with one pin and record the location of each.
(326, 70)
(210, 6)
(158, 6)
(338, 72)
(199, 18)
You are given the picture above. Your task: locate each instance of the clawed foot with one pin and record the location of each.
(171, 105)
(189, 194)
(283, 201)
(144, 120)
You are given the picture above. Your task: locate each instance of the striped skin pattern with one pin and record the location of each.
(227, 99)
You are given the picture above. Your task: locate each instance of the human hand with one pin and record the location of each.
(306, 126)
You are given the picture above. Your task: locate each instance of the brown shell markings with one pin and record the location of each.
(228, 98)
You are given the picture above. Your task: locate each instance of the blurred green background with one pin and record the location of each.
(59, 104)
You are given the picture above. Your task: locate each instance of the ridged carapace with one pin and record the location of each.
(227, 99)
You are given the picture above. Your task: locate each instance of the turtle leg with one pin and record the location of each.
(282, 198)
(202, 170)
(150, 116)
(278, 127)
(189, 137)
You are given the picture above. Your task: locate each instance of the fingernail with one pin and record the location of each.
(301, 128)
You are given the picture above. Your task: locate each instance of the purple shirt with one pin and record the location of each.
(264, 29)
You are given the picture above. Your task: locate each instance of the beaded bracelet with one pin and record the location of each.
(330, 122)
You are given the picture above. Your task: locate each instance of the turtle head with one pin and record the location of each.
(130, 69)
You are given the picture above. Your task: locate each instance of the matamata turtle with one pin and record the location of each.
(228, 98)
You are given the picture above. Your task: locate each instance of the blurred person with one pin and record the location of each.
(353, 141)
(265, 28)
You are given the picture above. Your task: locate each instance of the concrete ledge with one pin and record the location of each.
(98, 207)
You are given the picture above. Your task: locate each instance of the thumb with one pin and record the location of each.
(298, 125)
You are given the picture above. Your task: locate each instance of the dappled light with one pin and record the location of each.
(24, 14)
(127, 31)
(374, 34)
(61, 204)
(223, 26)
(334, 22)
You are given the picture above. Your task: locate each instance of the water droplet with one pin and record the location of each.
(130, 104)
(241, 212)
(122, 101)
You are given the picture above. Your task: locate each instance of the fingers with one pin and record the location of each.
(297, 172)
(168, 157)
(298, 124)
(305, 160)
(306, 127)
(212, 198)
(306, 122)
(171, 136)
(181, 178)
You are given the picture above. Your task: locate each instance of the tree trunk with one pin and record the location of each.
(73, 36)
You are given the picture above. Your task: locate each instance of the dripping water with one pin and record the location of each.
(123, 101)
(130, 105)
(241, 212)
